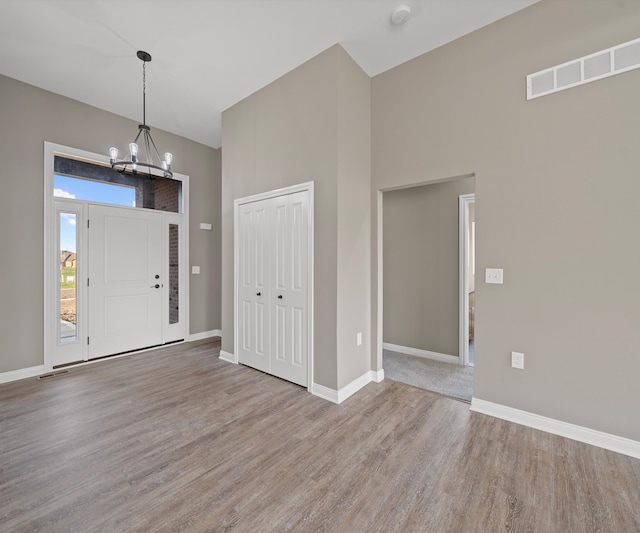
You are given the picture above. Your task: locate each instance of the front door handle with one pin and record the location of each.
(279, 296)
(259, 294)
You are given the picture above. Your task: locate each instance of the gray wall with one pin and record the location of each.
(291, 132)
(556, 188)
(421, 280)
(31, 116)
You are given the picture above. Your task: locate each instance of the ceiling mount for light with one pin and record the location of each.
(400, 15)
(146, 155)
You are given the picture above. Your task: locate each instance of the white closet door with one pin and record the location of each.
(253, 286)
(272, 281)
(289, 309)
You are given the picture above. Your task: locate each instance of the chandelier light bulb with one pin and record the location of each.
(168, 157)
(133, 148)
(113, 154)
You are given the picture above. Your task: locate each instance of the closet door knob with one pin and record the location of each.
(279, 296)
(259, 294)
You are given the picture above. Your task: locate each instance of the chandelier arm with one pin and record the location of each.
(146, 147)
(125, 164)
(154, 147)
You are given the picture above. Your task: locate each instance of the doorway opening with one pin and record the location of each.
(116, 252)
(421, 299)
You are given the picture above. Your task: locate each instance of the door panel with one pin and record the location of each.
(125, 267)
(290, 299)
(253, 290)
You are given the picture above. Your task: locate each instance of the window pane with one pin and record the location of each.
(93, 191)
(68, 278)
(174, 274)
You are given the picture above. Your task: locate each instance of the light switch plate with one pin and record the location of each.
(205, 225)
(517, 360)
(493, 275)
(195, 270)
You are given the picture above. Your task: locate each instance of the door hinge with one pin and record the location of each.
(87, 223)
(87, 340)
(87, 282)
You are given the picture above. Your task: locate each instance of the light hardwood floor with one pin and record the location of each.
(178, 440)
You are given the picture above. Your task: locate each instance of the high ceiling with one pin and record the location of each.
(210, 54)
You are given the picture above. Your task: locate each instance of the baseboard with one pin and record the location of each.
(325, 393)
(557, 427)
(228, 357)
(205, 335)
(339, 396)
(377, 376)
(22, 373)
(443, 358)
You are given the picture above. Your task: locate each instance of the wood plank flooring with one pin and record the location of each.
(178, 440)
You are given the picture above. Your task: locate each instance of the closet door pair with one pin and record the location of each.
(272, 270)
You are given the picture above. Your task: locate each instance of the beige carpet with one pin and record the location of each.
(445, 378)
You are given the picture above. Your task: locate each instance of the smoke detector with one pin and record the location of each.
(400, 15)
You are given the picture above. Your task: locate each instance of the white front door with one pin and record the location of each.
(273, 299)
(125, 269)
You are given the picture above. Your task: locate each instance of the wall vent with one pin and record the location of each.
(615, 60)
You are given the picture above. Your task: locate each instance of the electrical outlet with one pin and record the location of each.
(494, 275)
(517, 360)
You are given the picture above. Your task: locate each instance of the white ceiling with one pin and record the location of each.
(210, 54)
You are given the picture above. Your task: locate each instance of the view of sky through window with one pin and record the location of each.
(93, 191)
(68, 232)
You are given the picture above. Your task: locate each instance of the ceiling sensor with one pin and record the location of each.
(400, 15)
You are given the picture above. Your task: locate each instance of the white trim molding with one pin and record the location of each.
(442, 357)
(557, 427)
(325, 393)
(204, 335)
(21, 373)
(465, 258)
(228, 357)
(339, 396)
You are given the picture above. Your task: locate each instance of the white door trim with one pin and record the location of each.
(308, 186)
(464, 201)
(50, 286)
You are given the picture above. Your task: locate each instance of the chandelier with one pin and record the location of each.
(143, 154)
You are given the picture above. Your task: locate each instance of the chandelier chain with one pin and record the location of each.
(144, 92)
